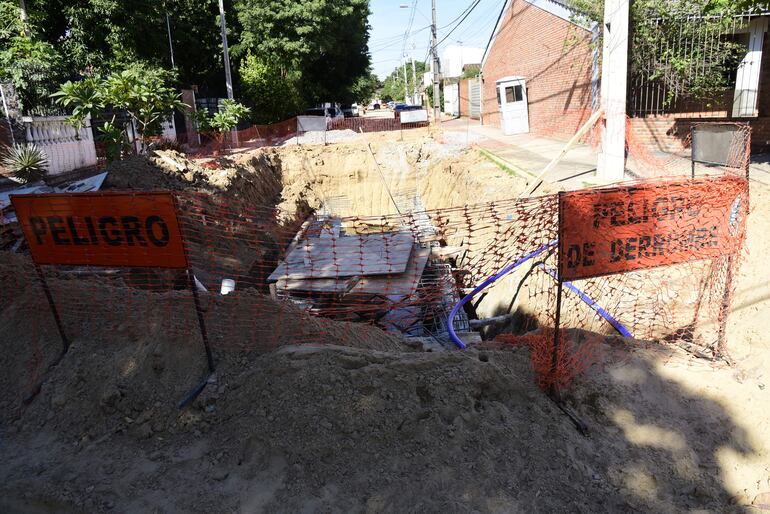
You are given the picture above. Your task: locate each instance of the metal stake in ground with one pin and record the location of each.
(559, 284)
(201, 322)
(52, 305)
(553, 392)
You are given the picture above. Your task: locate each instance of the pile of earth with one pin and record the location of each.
(356, 420)
(359, 424)
(254, 179)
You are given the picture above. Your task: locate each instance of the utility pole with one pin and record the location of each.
(414, 81)
(406, 83)
(170, 46)
(223, 26)
(23, 16)
(436, 94)
(228, 78)
(611, 165)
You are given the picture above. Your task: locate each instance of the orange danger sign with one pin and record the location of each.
(614, 230)
(102, 229)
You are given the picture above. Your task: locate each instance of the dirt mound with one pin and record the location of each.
(334, 428)
(255, 178)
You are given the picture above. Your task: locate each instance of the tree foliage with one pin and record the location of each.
(679, 43)
(321, 44)
(143, 93)
(365, 88)
(68, 40)
(273, 89)
(393, 86)
(303, 52)
(30, 64)
(225, 119)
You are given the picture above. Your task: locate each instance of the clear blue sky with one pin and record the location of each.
(389, 23)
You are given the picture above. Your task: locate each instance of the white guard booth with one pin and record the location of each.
(512, 99)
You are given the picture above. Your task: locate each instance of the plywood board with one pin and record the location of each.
(398, 284)
(346, 256)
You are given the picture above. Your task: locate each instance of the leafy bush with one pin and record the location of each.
(26, 162)
(225, 120)
(139, 91)
(271, 88)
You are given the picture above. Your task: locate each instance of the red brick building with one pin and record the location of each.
(538, 41)
(665, 125)
(538, 44)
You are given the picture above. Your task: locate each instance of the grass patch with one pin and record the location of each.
(504, 165)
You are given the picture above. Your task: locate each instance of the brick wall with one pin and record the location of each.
(465, 108)
(554, 57)
(670, 133)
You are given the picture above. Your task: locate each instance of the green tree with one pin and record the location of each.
(270, 88)
(223, 121)
(365, 88)
(68, 40)
(393, 86)
(325, 41)
(108, 35)
(143, 93)
(31, 65)
(662, 46)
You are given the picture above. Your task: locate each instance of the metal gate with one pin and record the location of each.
(474, 97)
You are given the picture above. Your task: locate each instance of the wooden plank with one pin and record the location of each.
(346, 256)
(396, 284)
(311, 285)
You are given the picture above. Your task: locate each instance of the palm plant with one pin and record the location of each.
(26, 163)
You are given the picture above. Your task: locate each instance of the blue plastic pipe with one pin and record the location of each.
(569, 285)
(590, 302)
(486, 283)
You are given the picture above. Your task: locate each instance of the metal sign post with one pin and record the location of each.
(201, 322)
(553, 391)
(559, 289)
(52, 305)
(133, 230)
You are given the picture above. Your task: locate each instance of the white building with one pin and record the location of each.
(455, 57)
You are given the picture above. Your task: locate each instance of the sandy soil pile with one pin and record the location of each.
(334, 428)
(255, 178)
(364, 423)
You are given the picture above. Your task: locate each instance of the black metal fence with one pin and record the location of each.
(683, 62)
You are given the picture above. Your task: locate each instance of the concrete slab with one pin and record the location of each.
(527, 154)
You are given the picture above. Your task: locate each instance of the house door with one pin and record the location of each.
(512, 98)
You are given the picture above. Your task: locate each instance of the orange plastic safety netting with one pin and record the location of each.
(266, 278)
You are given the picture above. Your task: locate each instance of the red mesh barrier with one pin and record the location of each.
(256, 136)
(361, 124)
(267, 278)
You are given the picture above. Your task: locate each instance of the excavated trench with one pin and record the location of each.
(360, 424)
(426, 188)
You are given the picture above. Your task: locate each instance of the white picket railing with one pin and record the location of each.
(67, 148)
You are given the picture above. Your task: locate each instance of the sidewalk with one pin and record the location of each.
(525, 154)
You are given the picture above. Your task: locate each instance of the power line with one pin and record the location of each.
(409, 27)
(488, 25)
(383, 45)
(469, 11)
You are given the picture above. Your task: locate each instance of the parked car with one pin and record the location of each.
(350, 111)
(403, 107)
(329, 112)
(391, 104)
